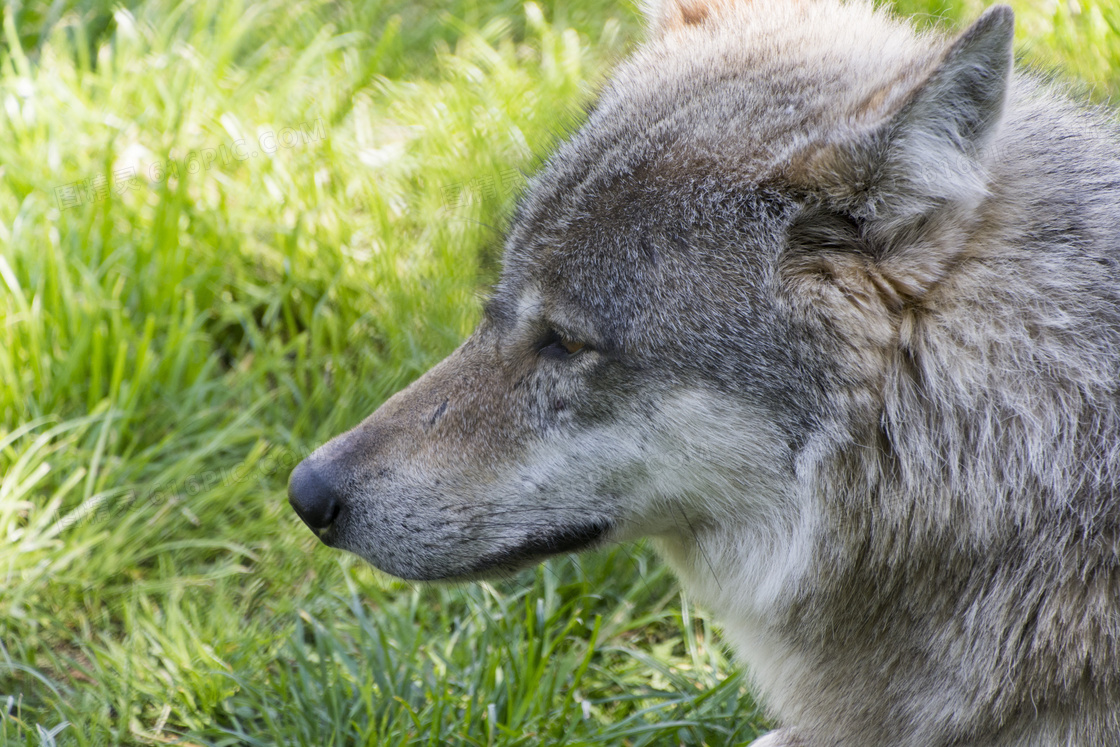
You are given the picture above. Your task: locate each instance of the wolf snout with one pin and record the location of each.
(313, 497)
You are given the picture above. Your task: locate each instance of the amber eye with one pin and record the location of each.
(556, 345)
(571, 347)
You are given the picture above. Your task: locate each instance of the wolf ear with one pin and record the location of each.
(928, 150)
(665, 16)
(862, 252)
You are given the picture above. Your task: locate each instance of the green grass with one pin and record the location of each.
(288, 211)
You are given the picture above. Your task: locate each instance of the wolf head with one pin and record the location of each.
(702, 290)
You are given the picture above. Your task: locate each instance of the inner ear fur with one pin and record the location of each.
(831, 254)
(837, 266)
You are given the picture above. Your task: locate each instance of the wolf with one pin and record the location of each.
(830, 310)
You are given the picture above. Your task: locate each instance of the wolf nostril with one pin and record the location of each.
(312, 497)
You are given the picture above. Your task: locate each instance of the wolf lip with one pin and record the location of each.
(542, 544)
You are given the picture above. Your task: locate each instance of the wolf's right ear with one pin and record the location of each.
(928, 150)
(925, 151)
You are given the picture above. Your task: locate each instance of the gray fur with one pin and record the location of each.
(850, 297)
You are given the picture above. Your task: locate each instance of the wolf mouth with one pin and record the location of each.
(542, 544)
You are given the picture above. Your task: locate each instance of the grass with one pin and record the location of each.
(228, 230)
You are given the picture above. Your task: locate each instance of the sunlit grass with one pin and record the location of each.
(228, 231)
(1077, 41)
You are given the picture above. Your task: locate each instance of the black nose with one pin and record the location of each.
(312, 497)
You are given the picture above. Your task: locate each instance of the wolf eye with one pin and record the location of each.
(556, 345)
(572, 347)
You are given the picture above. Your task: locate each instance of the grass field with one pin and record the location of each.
(228, 230)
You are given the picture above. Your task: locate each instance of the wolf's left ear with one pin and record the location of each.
(928, 150)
